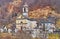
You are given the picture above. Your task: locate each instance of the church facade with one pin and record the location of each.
(22, 21)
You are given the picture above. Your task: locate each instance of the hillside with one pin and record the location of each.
(8, 8)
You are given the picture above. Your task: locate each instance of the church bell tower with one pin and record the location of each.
(25, 10)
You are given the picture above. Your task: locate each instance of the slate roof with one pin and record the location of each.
(48, 20)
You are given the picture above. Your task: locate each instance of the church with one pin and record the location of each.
(23, 21)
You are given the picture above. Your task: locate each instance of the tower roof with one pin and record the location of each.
(25, 4)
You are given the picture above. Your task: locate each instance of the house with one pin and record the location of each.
(48, 24)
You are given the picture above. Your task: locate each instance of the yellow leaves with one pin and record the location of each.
(5, 34)
(58, 23)
(16, 2)
(12, 5)
(10, 8)
(41, 12)
(35, 14)
(53, 36)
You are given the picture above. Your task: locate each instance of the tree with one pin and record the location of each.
(58, 23)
